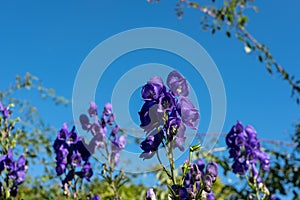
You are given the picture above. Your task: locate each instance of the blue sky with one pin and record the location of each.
(51, 40)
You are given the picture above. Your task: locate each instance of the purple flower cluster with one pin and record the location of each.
(72, 157)
(199, 179)
(16, 171)
(166, 113)
(99, 129)
(4, 111)
(244, 149)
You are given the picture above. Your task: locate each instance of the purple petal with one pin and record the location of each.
(178, 84)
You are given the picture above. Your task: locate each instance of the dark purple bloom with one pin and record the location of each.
(152, 90)
(76, 160)
(86, 171)
(69, 177)
(73, 137)
(178, 84)
(63, 133)
(5, 111)
(189, 114)
(210, 196)
(8, 161)
(166, 102)
(96, 197)
(244, 148)
(201, 165)
(172, 125)
(150, 194)
(60, 168)
(93, 109)
(151, 144)
(144, 113)
(61, 154)
(81, 148)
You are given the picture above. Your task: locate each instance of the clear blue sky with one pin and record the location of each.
(51, 40)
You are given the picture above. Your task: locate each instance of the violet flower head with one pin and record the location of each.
(212, 170)
(150, 144)
(180, 138)
(166, 102)
(153, 89)
(87, 171)
(189, 114)
(210, 196)
(178, 84)
(150, 194)
(96, 197)
(76, 160)
(107, 109)
(93, 109)
(5, 111)
(244, 149)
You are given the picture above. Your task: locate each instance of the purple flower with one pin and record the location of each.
(60, 168)
(153, 89)
(189, 114)
(85, 122)
(149, 117)
(116, 158)
(208, 181)
(81, 148)
(63, 133)
(93, 109)
(150, 194)
(76, 160)
(179, 138)
(107, 109)
(166, 102)
(69, 177)
(5, 111)
(86, 171)
(114, 131)
(212, 170)
(61, 154)
(150, 144)
(178, 84)
(244, 149)
(73, 137)
(264, 160)
(96, 197)
(210, 196)
(8, 161)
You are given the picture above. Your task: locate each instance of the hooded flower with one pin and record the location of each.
(177, 84)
